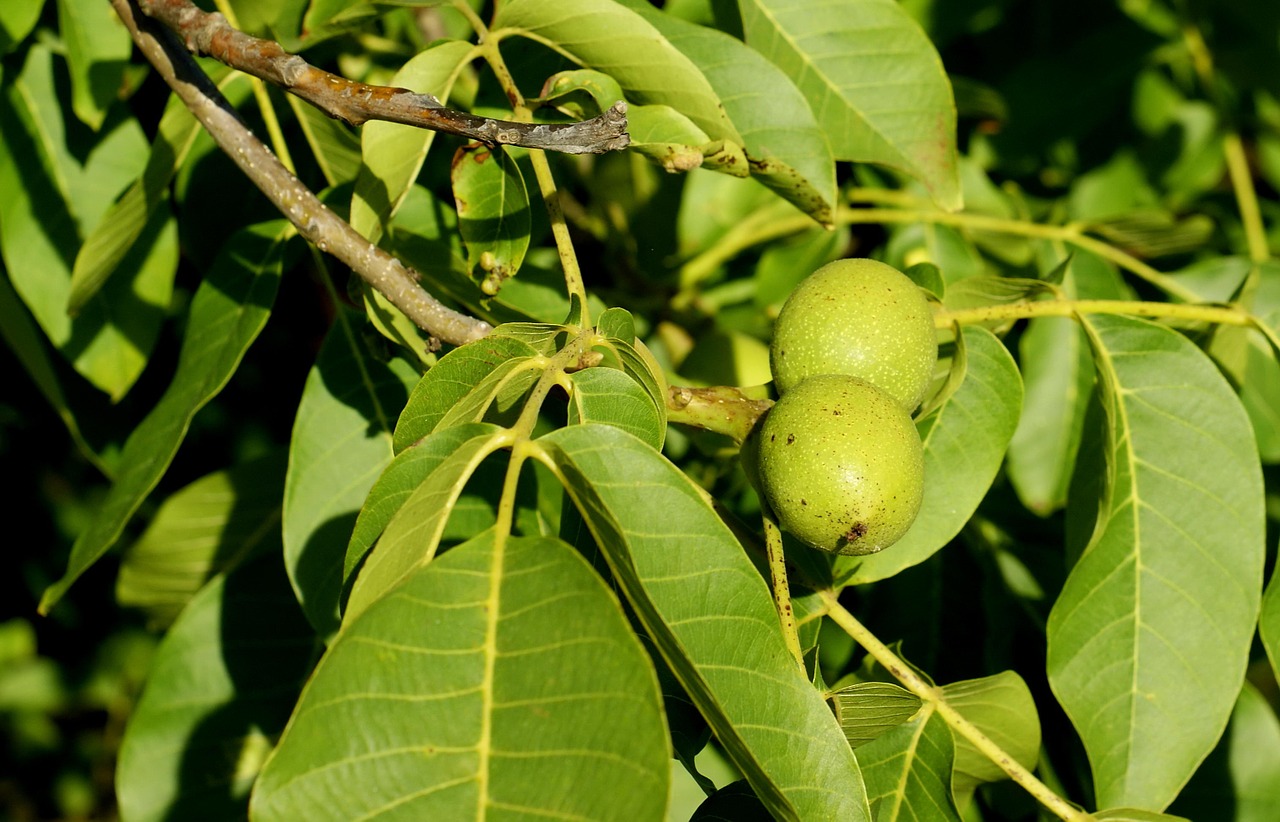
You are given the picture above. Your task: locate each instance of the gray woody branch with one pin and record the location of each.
(210, 34)
(314, 221)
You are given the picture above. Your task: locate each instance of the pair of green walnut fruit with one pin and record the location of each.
(837, 457)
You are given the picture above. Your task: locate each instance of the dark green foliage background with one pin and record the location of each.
(1063, 103)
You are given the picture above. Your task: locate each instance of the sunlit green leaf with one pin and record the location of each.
(786, 148)
(393, 153)
(477, 689)
(98, 48)
(227, 312)
(451, 380)
(412, 536)
(709, 612)
(493, 213)
(609, 396)
(908, 771)
(401, 478)
(498, 396)
(866, 710)
(123, 224)
(1135, 815)
(1146, 647)
(603, 35)
(51, 198)
(964, 444)
(1001, 706)
(17, 18)
(873, 79)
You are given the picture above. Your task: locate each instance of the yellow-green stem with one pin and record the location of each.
(464, 8)
(1067, 308)
(748, 234)
(918, 686)
(781, 589)
(1255, 232)
(573, 281)
(560, 231)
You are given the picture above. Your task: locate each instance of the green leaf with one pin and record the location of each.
(964, 443)
(639, 364)
(785, 145)
(867, 710)
(1247, 357)
(1135, 815)
(1243, 772)
(98, 48)
(602, 35)
(334, 145)
(499, 396)
(1269, 623)
(784, 264)
(1057, 372)
(908, 771)
(50, 198)
(544, 338)
(493, 213)
(220, 688)
(617, 324)
(124, 222)
(398, 481)
(1001, 706)
(450, 380)
(979, 292)
(709, 612)
(412, 536)
(341, 442)
(393, 153)
(479, 689)
(228, 310)
(609, 396)
(17, 19)
(873, 79)
(667, 137)
(203, 529)
(1149, 639)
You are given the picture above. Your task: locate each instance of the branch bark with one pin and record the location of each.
(314, 221)
(210, 34)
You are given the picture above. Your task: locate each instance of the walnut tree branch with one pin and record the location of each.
(210, 34)
(314, 221)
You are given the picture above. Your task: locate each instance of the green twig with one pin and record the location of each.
(913, 682)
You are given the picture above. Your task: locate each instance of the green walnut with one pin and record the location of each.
(858, 317)
(841, 465)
